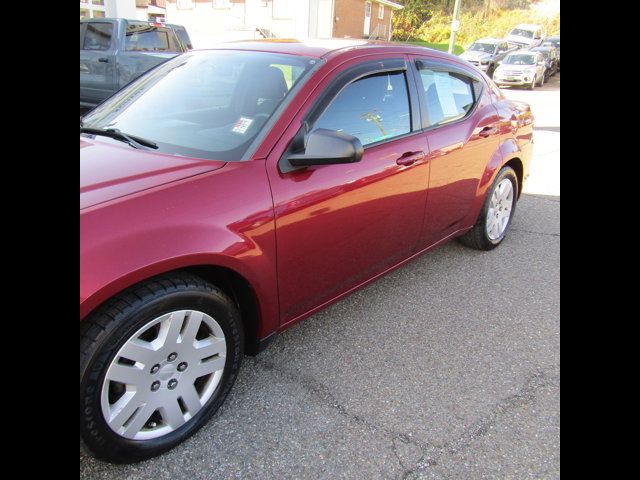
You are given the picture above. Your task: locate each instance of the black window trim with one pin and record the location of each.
(425, 63)
(395, 63)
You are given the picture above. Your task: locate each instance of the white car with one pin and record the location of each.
(526, 35)
(521, 68)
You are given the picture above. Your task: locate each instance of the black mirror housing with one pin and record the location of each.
(327, 147)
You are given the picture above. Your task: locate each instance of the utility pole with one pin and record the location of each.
(455, 24)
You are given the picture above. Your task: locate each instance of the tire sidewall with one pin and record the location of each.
(505, 172)
(95, 431)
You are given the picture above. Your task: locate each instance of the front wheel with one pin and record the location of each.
(496, 213)
(156, 362)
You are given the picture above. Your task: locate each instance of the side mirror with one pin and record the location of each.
(327, 147)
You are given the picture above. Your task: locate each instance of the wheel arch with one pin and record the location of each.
(233, 283)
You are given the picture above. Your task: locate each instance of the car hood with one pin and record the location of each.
(475, 55)
(110, 171)
(520, 40)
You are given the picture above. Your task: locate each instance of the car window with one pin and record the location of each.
(449, 95)
(373, 109)
(522, 33)
(146, 38)
(209, 104)
(97, 36)
(184, 38)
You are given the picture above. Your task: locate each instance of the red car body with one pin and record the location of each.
(291, 243)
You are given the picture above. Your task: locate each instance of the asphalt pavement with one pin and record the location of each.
(446, 368)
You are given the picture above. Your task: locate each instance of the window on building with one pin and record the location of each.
(221, 3)
(92, 9)
(381, 12)
(449, 95)
(97, 36)
(373, 109)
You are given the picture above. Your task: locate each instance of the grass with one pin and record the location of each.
(457, 49)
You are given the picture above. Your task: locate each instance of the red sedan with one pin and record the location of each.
(229, 193)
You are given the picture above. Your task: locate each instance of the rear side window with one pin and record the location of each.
(373, 109)
(145, 38)
(449, 95)
(184, 38)
(97, 36)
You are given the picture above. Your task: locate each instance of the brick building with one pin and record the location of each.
(360, 18)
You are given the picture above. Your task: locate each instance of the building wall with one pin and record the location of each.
(238, 19)
(349, 19)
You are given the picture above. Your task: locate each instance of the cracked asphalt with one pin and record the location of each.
(446, 368)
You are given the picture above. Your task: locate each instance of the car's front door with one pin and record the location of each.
(340, 225)
(97, 61)
(461, 125)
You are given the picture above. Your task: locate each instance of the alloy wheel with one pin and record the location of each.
(500, 209)
(163, 375)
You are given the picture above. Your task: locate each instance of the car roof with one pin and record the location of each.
(321, 48)
(129, 20)
(490, 40)
(527, 26)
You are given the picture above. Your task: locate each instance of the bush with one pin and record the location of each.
(474, 24)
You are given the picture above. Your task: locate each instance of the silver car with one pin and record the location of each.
(521, 68)
(485, 53)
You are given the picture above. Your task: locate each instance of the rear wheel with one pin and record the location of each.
(496, 213)
(156, 362)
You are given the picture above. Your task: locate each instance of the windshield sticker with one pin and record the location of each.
(242, 125)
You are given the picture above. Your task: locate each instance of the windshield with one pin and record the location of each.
(545, 53)
(483, 47)
(522, 33)
(520, 59)
(208, 104)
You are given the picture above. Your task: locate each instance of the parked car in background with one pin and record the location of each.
(486, 53)
(217, 211)
(526, 35)
(115, 51)
(521, 68)
(554, 41)
(550, 58)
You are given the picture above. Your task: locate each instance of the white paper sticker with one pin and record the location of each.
(445, 94)
(242, 125)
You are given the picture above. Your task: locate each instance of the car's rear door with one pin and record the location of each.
(340, 225)
(97, 60)
(461, 126)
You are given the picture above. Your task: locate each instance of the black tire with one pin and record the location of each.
(106, 330)
(477, 237)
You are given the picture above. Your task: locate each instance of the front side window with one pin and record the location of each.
(373, 109)
(449, 96)
(209, 104)
(97, 36)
